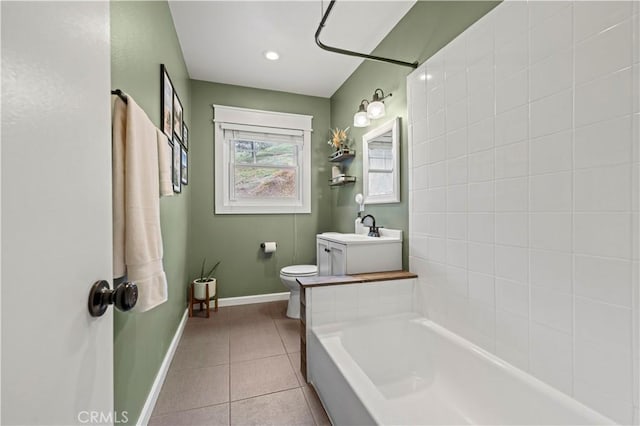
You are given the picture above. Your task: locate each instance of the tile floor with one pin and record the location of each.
(241, 366)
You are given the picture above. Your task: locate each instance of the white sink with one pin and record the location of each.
(389, 236)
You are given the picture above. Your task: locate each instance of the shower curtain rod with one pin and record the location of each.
(352, 53)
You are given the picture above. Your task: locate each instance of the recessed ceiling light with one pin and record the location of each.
(271, 55)
(425, 76)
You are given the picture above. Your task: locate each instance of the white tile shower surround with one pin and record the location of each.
(347, 302)
(525, 186)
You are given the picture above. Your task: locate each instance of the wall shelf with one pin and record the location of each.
(341, 155)
(343, 180)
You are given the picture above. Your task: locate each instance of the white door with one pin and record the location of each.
(57, 360)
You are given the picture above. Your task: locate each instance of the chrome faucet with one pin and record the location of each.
(370, 221)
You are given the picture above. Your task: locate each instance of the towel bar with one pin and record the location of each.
(120, 94)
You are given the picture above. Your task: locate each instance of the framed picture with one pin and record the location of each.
(177, 154)
(185, 136)
(177, 117)
(184, 167)
(166, 102)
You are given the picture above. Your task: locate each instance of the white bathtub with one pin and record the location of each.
(405, 369)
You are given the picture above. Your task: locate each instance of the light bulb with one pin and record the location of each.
(360, 119)
(375, 110)
(271, 55)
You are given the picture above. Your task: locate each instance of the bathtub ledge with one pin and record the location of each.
(355, 278)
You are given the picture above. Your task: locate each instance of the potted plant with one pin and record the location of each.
(339, 140)
(200, 284)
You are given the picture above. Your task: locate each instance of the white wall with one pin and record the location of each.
(524, 193)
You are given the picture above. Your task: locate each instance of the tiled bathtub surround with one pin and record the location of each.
(347, 302)
(524, 193)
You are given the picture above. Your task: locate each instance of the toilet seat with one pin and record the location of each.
(299, 271)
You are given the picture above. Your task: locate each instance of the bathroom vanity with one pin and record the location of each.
(343, 254)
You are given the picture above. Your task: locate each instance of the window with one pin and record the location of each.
(263, 161)
(263, 168)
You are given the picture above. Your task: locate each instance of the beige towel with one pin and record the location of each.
(118, 127)
(136, 205)
(164, 164)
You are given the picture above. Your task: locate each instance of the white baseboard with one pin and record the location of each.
(247, 300)
(152, 398)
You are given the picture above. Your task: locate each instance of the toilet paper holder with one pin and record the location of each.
(264, 246)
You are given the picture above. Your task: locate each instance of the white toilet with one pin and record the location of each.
(288, 276)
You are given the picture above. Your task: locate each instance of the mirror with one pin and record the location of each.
(381, 164)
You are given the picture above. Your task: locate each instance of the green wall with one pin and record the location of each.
(143, 37)
(235, 239)
(424, 30)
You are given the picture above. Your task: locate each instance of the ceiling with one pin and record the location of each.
(224, 41)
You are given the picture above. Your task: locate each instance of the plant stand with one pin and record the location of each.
(193, 301)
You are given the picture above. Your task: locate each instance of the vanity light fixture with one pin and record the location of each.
(376, 106)
(373, 109)
(360, 118)
(271, 55)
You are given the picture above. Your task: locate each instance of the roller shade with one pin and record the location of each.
(261, 134)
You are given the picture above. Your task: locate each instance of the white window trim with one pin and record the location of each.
(234, 116)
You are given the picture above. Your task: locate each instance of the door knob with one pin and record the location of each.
(124, 296)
